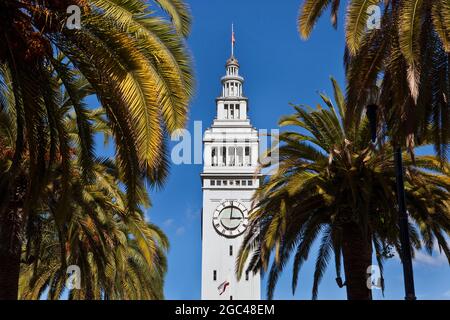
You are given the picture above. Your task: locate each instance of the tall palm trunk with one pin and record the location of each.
(11, 232)
(357, 256)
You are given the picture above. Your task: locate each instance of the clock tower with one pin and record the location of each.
(229, 180)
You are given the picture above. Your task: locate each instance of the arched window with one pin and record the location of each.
(214, 159)
(232, 155)
(239, 156)
(248, 157)
(226, 111)
(224, 156)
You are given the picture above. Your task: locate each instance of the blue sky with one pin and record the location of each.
(279, 68)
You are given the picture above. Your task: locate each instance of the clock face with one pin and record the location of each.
(230, 219)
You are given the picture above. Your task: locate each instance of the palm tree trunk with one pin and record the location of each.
(11, 231)
(357, 256)
(405, 255)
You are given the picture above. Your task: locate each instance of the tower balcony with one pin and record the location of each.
(232, 78)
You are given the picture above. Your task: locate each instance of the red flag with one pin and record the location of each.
(233, 40)
(223, 286)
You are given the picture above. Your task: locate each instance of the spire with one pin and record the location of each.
(232, 60)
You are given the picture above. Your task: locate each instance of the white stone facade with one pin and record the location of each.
(229, 180)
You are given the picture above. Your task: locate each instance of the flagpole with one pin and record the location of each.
(232, 39)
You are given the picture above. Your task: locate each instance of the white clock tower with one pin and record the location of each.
(229, 180)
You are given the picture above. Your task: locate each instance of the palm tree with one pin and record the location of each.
(120, 255)
(133, 60)
(333, 184)
(410, 52)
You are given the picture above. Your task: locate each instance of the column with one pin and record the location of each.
(207, 155)
(254, 154)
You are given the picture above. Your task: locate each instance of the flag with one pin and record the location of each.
(233, 40)
(223, 287)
